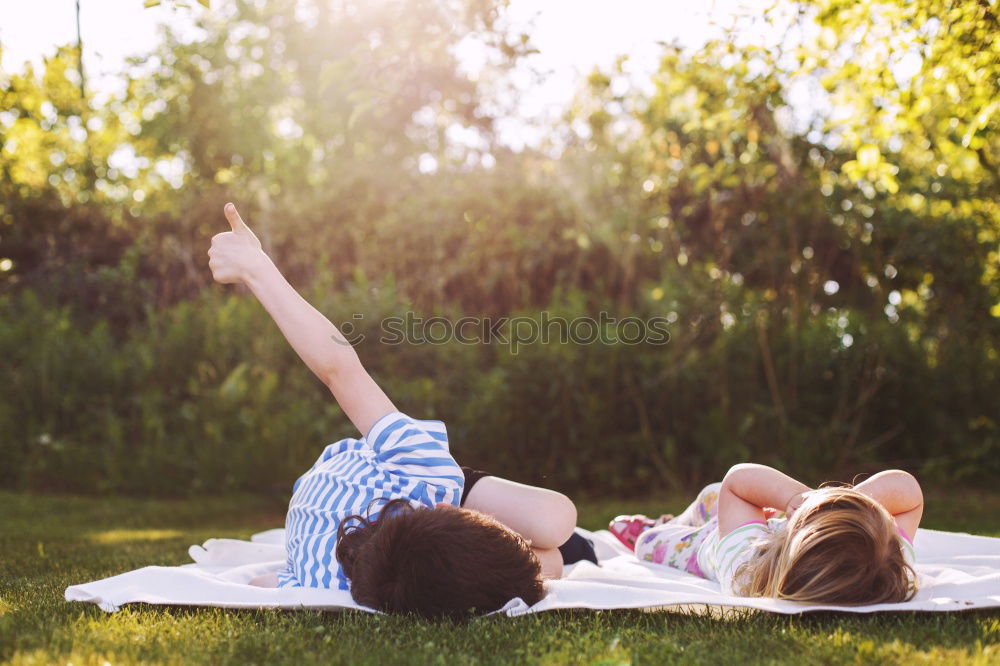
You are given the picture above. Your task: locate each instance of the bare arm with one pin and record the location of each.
(748, 488)
(899, 492)
(544, 517)
(236, 256)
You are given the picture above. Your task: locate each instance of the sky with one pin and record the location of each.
(573, 36)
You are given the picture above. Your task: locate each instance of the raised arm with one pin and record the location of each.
(748, 488)
(237, 256)
(900, 494)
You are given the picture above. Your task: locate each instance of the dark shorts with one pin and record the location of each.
(472, 477)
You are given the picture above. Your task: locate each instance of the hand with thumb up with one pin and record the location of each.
(236, 254)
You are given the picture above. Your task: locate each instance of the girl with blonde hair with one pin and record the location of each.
(761, 533)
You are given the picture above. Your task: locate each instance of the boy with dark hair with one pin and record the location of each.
(391, 516)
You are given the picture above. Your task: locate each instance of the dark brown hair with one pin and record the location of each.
(443, 562)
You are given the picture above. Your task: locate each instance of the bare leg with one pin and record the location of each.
(544, 517)
(704, 507)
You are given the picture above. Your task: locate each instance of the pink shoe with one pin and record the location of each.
(628, 528)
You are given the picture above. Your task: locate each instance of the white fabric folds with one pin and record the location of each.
(957, 572)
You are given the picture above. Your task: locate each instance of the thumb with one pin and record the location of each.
(237, 223)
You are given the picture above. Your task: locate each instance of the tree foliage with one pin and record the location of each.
(829, 269)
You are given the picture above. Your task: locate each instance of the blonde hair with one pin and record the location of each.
(839, 547)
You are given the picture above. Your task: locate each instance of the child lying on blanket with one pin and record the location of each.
(834, 545)
(456, 541)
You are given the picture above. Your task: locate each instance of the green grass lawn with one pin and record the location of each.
(47, 543)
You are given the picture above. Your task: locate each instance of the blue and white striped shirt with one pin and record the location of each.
(401, 457)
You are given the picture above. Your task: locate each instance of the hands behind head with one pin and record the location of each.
(795, 502)
(236, 254)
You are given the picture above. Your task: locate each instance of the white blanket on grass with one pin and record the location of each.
(957, 572)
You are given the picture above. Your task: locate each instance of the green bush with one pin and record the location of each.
(206, 396)
(833, 291)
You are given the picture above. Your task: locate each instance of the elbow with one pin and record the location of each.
(558, 523)
(329, 380)
(735, 473)
(742, 469)
(340, 375)
(568, 515)
(909, 485)
(328, 373)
